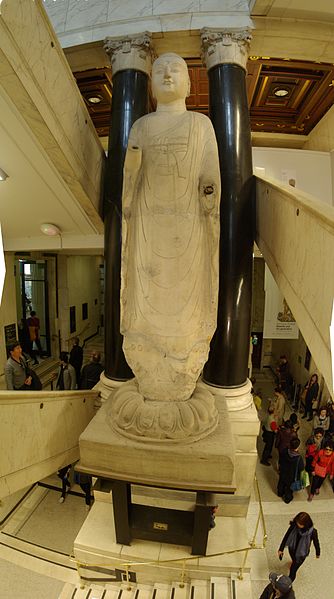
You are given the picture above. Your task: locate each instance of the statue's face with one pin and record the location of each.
(170, 80)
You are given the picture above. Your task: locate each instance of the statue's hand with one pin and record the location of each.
(133, 159)
(208, 196)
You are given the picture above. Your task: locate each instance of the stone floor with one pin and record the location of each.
(278, 514)
(55, 526)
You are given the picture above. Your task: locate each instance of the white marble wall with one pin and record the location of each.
(82, 21)
(37, 79)
(43, 434)
(321, 137)
(295, 233)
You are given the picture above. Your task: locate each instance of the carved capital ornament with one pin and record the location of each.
(225, 46)
(130, 52)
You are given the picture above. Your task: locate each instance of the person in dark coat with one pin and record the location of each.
(76, 357)
(90, 374)
(279, 586)
(284, 435)
(291, 465)
(298, 538)
(24, 338)
(312, 390)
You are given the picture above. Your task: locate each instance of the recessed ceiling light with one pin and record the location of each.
(49, 229)
(3, 175)
(281, 92)
(95, 99)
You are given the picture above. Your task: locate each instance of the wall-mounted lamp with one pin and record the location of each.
(50, 230)
(3, 175)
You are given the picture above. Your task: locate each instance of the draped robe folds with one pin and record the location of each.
(169, 251)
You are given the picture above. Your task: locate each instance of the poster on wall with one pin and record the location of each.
(279, 322)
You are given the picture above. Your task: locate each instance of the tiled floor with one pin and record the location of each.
(54, 525)
(277, 517)
(21, 583)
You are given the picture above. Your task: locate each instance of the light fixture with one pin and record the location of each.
(3, 175)
(281, 92)
(50, 230)
(95, 99)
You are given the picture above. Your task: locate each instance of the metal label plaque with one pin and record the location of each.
(160, 526)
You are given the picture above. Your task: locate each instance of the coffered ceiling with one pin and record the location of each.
(284, 96)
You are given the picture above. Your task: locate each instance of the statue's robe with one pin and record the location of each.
(170, 251)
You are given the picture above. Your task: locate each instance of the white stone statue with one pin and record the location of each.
(169, 290)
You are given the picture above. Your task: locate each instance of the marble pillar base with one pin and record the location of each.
(206, 464)
(237, 398)
(244, 423)
(106, 387)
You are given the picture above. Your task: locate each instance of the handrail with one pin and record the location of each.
(26, 397)
(184, 560)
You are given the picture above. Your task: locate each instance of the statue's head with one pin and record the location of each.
(170, 79)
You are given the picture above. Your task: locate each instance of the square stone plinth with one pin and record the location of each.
(207, 464)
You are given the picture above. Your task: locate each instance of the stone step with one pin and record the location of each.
(200, 589)
(220, 588)
(217, 588)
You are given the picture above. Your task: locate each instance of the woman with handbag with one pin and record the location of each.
(298, 538)
(313, 445)
(322, 465)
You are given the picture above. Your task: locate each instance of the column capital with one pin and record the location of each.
(130, 52)
(225, 46)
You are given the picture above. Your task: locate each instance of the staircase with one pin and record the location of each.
(47, 371)
(216, 588)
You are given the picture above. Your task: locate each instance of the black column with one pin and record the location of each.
(227, 365)
(129, 102)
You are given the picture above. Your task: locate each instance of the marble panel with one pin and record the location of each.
(227, 6)
(175, 23)
(48, 431)
(90, 13)
(198, 21)
(161, 7)
(57, 12)
(290, 222)
(280, 37)
(129, 9)
(126, 28)
(47, 84)
(70, 38)
(98, 532)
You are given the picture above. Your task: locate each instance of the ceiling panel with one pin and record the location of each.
(284, 96)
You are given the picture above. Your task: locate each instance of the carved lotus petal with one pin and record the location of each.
(187, 417)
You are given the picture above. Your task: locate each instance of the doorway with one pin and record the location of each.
(32, 292)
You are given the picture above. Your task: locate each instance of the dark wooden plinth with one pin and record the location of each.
(134, 521)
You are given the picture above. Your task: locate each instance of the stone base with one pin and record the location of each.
(207, 464)
(97, 552)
